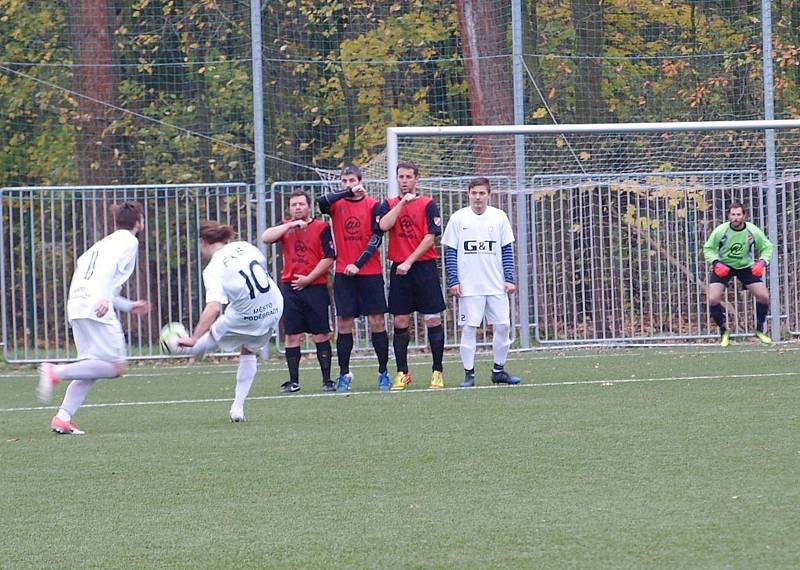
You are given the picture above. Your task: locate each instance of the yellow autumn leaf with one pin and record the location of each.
(539, 113)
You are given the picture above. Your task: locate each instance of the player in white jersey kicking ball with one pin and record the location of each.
(94, 294)
(479, 260)
(235, 276)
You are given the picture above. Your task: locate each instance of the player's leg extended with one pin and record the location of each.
(203, 346)
(83, 376)
(248, 366)
(761, 293)
(715, 292)
(101, 346)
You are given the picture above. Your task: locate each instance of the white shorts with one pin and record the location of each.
(229, 341)
(232, 342)
(472, 309)
(99, 340)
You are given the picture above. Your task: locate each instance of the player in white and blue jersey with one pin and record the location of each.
(479, 260)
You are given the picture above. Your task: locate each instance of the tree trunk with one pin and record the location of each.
(91, 25)
(488, 70)
(587, 23)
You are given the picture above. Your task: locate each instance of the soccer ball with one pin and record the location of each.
(170, 333)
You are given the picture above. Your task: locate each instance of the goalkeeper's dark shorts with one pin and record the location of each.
(745, 277)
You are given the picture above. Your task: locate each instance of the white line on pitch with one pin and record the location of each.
(202, 369)
(609, 382)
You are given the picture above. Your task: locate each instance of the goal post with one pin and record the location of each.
(646, 178)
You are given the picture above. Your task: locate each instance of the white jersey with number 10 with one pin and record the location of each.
(237, 277)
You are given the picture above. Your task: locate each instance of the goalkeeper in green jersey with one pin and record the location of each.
(738, 249)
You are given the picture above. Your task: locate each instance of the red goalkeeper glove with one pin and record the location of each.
(758, 268)
(721, 270)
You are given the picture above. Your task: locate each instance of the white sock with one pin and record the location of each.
(244, 379)
(86, 370)
(501, 342)
(74, 397)
(203, 346)
(467, 346)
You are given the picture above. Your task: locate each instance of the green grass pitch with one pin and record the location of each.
(631, 458)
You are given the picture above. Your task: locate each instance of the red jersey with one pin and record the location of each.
(417, 218)
(352, 223)
(304, 248)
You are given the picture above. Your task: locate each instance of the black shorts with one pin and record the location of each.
(305, 311)
(359, 295)
(745, 277)
(419, 290)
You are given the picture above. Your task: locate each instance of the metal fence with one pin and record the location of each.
(613, 258)
(618, 258)
(788, 248)
(43, 230)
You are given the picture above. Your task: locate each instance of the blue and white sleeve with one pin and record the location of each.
(508, 262)
(451, 265)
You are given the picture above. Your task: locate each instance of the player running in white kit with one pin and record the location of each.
(236, 277)
(94, 294)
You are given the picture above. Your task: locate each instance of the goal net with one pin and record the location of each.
(610, 220)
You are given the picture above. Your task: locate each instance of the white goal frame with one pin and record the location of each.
(393, 135)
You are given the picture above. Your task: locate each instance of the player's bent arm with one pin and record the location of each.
(390, 218)
(372, 246)
(207, 318)
(140, 307)
(451, 265)
(275, 233)
(327, 200)
(763, 245)
(424, 245)
(321, 268)
(122, 304)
